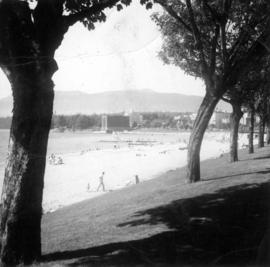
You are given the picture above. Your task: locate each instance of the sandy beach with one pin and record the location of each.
(77, 178)
(121, 156)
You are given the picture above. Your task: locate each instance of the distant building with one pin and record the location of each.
(135, 119)
(193, 116)
(220, 119)
(246, 119)
(115, 123)
(184, 120)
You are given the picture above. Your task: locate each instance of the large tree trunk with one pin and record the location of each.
(268, 125)
(235, 120)
(261, 132)
(29, 66)
(203, 117)
(23, 183)
(251, 132)
(268, 133)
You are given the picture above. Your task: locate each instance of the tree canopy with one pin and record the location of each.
(217, 41)
(209, 39)
(30, 33)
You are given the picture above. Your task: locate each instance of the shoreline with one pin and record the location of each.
(149, 156)
(167, 213)
(120, 166)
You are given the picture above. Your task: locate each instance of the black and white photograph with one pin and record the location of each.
(134, 133)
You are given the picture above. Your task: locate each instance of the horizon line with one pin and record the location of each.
(114, 91)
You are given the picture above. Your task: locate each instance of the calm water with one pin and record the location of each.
(69, 142)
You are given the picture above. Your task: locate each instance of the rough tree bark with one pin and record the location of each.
(26, 57)
(251, 132)
(261, 132)
(23, 183)
(268, 132)
(203, 117)
(235, 120)
(268, 125)
(28, 41)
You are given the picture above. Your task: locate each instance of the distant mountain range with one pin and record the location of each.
(72, 102)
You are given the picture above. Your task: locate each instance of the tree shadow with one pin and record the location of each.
(251, 157)
(266, 171)
(264, 157)
(224, 227)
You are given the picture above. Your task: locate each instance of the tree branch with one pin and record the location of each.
(227, 6)
(197, 37)
(213, 51)
(242, 39)
(226, 100)
(223, 23)
(223, 45)
(259, 49)
(94, 9)
(213, 13)
(239, 42)
(174, 14)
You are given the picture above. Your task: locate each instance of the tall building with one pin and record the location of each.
(110, 123)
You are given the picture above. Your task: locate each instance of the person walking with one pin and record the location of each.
(137, 179)
(101, 182)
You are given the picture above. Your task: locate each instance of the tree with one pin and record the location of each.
(239, 97)
(250, 87)
(268, 124)
(258, 103)
(215, 41)
(83, 122)
(261, 109)
(252, 84)
(29, 37)
(259, 100)
(59, 121)
(251, 131)
(235, 97)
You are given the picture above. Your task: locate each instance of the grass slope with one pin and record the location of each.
(220, 220)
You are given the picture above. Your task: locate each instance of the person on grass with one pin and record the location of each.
(101, 182)
(137, 179)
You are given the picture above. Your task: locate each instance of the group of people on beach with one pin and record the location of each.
(55, 160)
(102, 185)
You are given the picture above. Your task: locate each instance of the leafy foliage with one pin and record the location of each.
(89, 19)
(254, 87)
(81, 121)
(208, 38)
(76, 122)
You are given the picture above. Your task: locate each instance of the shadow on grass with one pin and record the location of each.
(225, 227)
(264, 157)
(251, 157)
(266, 171)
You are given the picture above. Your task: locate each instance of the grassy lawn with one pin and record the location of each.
(220, 220)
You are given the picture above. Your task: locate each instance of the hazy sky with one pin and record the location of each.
(120, 54)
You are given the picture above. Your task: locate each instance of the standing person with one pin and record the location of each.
(137, 179)
(101, 182)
